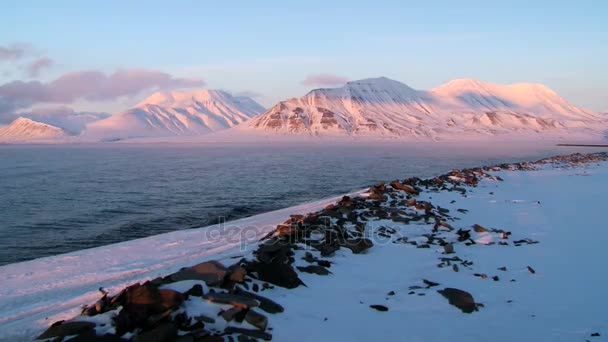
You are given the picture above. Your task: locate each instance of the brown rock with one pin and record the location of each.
(448, 248)
(479, 229)
(358, 245)
(404, 187)
(238, 274)
(265, 303)
(232, 299)
(229, 314)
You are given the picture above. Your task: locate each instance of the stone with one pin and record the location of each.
(249, 332)
(460, 299)
(531, 270)
(278, 274)
(162, 333)
(479, 229)
(256, 319)
(379, 307)
(211, 272)
(265, 304)
(229, 314)
(429, 283)
(404, 187)
(62, 328)
(358, 245)
(170, 299)
(196, 291)
(242, 302)
(314, 269)
(237, 274)
(91, 337)
(448, 248)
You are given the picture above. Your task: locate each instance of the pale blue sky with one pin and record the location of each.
(269, 47)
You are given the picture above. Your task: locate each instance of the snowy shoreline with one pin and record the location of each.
(39, 292)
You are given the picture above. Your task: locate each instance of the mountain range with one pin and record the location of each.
(368, 108)
(384, 107)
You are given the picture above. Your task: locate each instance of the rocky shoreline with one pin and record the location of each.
(211, 301)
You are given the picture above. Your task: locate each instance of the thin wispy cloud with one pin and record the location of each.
(324, 80)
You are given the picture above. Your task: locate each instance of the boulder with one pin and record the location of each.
(358, 245)
(404, 187)
(460, 299)
(314, 269)
(265, 303)
(242, 302)
(237, 274)
(163, 333)
(278, 274)
(211, 272)
(256, 319)
(379, 307)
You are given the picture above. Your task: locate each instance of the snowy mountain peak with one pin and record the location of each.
(24, 129)
(182, 113)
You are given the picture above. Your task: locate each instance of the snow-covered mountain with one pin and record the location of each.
(384, 107)
(177, 113)
(23, 129)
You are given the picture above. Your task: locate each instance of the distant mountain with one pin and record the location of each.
(381, 107)
(177, 113)
(64, 117)
(26, 130)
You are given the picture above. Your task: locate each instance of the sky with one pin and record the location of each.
(108, 55)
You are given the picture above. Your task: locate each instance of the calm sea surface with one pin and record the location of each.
(57, 199)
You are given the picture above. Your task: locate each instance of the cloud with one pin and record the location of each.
(14, 51)
(324, 80)
(247, 93)
(37, 65)
(63, 116)
(89, 85)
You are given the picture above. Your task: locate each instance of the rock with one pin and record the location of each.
(162, 333)
(274, 251)
(358, 245)
(429, 283)
(249, 332)
(211, 272)
(479, 229)
(314, 269)
(278, 274)
(265, 303)
(460, 299)
(170, 299)
(62, 328)
(504, 268)
(455, 268)
(237, 274)
(229, 314)
(531, 270)
(448, 248)
(232, 299)
(256, 319)
(404, 187)
(196, 291)
(595, 334)
(379, 307)
(91, 337)
(391, 293)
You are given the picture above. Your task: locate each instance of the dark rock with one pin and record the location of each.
(256, 319)
(196, 291)
(460, 299)
(379, 307)
(232, 299)
(531, 270)
(162, 333)
(237, 274)
(358, 245)
(62, 328)
(504, 268)
(455, 268)
(265, 303)
(229, 314)
(448, 248)
(404, 187)
(278, 274)
(391, 293)
(429, 283)
(314, 269)
(595, 334)
(495, 278)
(91, 337)
(249, 332)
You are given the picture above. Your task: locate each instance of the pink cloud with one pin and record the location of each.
(324, 80)
(90, 85)
(37, 65)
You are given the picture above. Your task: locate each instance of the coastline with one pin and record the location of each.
(124, 272)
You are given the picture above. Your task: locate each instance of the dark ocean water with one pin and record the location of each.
(57, 199)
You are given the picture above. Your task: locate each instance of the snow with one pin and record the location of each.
(24, 129)
(563, 300)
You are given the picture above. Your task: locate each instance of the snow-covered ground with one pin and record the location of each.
(563, 300)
